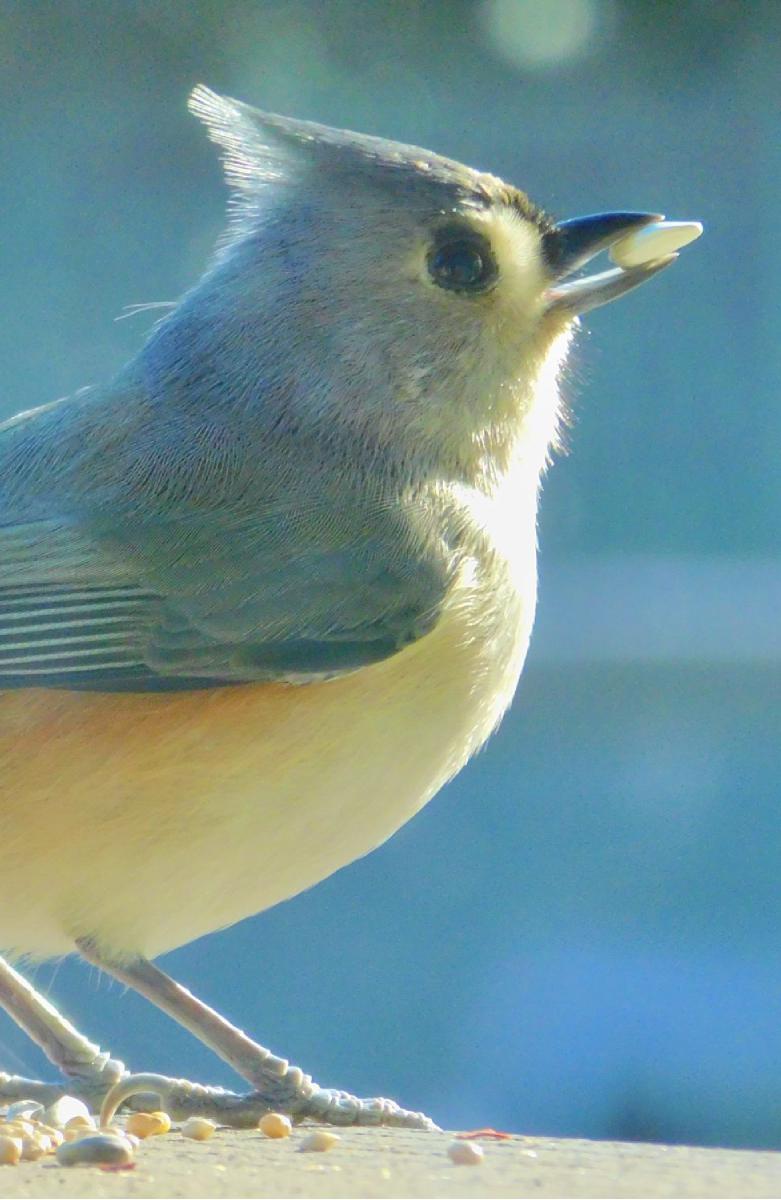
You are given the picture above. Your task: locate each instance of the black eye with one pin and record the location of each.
(462, 263)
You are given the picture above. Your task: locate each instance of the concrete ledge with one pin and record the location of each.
(395, 1163)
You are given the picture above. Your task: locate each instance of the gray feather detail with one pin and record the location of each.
(60, 655)
(264, 147)
(51, 633)
(301, 594)
(44, 643)
(70, 676)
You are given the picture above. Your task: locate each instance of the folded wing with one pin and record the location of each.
(306, 585)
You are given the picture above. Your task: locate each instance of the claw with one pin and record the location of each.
(132, 1085)
(340, 1108)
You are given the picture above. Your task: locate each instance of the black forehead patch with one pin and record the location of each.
(514, 198)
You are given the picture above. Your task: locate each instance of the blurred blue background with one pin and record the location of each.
(581, 934)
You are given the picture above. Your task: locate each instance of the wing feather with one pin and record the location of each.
(135, 573)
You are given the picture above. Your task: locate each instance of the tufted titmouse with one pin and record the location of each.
(266, 592)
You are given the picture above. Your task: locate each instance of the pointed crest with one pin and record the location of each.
(263, 148)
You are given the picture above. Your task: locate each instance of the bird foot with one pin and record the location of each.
(104, 1084)
(16, 1087)
(300, 1098)
(92, 1090)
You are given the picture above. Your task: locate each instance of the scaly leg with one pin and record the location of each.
(90, 1071)
(277, 1084)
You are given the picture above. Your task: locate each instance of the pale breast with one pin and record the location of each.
(150, 820)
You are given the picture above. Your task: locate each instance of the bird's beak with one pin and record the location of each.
(572, 244)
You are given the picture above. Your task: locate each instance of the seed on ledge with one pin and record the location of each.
(97, 1149)
(78, 1131)
(80, 1122)
(199, 1129)
(57, 1136)
(34, 1148)
(17, 1128)
(64, 1110)
(29, 1109)
(320, 1139)
(148, 1124)
(275, 1125)
(10, 1150)
(465, 1154)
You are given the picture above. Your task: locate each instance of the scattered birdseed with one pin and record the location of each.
(319, 1139)
(200, 1129)
(78, 1131)
(275, 1125)
(34, 1147)
(10, 1150)
(24, 1108)
(465, 1154)
(17, 1128)
(64, 1110)
(97, 1149)
(57, 1135)
(148, 1124)
(80, 1121)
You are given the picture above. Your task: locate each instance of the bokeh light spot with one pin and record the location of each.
(540, 33)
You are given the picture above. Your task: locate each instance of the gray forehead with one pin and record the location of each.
(260, 148)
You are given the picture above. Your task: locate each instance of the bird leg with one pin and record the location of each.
(277, 1085)
(91, 1072)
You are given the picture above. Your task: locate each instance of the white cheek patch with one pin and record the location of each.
(517, 244)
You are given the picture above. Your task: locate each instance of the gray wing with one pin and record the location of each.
(97, 593)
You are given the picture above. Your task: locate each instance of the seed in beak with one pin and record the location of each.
(654, 241)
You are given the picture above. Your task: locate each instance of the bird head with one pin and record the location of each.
(376, 291)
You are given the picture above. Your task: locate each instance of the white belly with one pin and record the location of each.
(147, 821)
